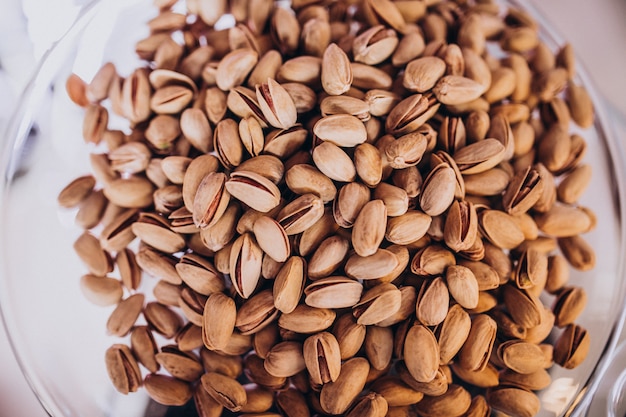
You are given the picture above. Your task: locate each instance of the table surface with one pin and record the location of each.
(595, 29)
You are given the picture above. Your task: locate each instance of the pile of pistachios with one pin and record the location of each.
(346, 207)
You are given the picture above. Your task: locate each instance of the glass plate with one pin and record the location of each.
(59, 338)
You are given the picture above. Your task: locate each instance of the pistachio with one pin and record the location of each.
(225, 390)
(304, 179)
(514, 401)
(474, 354)
(333, 292)
(341, 129)
(336, 396)
(276, 104)
(245, 264)
(289, 284)
(333, 162)
(369, 228)
(336, 72)
(122, 369)
(210, 200)
(253, 190)
(322, 357)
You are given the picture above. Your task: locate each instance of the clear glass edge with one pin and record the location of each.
(21, 122)
(606, 129)
(14, 137)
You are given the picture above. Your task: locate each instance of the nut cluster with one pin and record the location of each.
(344, 208)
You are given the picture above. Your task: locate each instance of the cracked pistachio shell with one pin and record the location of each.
(406, 151)
(432, 260)
(475, 353)
(531, 270)
(568, 305)
(122, 369)
(211, 200)
(252, 136)
(437, 386)
(520, 356)
(155, 231)
(395, 198)
(523, 191)
(268, 166)
(254, 190)
(276, 104)
(245, 263)
(374, 45)
(227, 143)
(197, 169)
(411, 113)
(525, 308)
(479, 156)
(345, 105)
(222, 232)
(162, 319)
(432, 302)
(256, 313)
(377, 304)
(370, 405)
(578, 252)
(225, 390)
(301, 214)
(461, 226)
(322, 357)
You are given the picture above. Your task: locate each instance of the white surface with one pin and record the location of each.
(595, 29)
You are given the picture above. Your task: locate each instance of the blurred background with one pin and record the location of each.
(28, 28)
